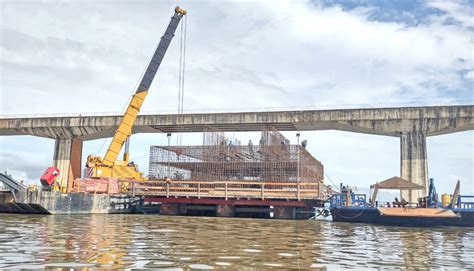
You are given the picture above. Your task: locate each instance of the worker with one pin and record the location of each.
(250, 147)
(403, 203)
(396, 202)
(282, 144)
(304, 143)
(260, 150)
(56, 183)
(229, 147)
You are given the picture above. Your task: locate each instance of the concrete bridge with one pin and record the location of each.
(411, 124)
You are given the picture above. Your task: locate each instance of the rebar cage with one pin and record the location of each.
(272, 162)
(267, 163)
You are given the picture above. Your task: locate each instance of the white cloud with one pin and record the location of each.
(257, 53)
(460, 12)
(469, 75)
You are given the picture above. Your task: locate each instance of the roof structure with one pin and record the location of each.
(397, 183)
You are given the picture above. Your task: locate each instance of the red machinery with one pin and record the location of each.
(49, 176)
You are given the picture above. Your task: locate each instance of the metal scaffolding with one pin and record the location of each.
(272, 162)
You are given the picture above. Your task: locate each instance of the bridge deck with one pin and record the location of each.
(430, 120)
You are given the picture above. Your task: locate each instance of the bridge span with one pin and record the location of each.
(411, 124)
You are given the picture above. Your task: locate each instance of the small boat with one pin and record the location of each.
(428, 212)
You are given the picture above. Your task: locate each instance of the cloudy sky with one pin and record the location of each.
(87, 56)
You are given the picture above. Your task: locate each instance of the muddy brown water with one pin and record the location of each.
(188, 243)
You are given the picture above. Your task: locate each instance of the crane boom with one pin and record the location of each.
(125, 128)
(110, 166)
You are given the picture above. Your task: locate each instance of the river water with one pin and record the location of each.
(187, 243)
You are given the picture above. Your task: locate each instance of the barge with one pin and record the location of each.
(419, 217)
(272, 180)
(428, 212)
(168, 197)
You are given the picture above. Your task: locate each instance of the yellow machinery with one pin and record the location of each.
(445, 200)
(109, 166)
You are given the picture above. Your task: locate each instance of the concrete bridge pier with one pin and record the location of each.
(413, 163)
(67, 157)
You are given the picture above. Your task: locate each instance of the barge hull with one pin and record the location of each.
(255, 208)
(372, 215)
(46, 202)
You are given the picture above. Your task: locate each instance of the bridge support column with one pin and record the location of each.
(67, 157)
(413, 164)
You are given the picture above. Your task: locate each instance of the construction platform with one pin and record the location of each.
(271, 179)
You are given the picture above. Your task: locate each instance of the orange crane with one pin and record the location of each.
(110, 166)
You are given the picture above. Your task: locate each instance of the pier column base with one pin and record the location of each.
(283, 212)
(414, 164)
(67, 157)
(225, 210)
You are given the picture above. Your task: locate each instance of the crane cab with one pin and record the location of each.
(48, 178)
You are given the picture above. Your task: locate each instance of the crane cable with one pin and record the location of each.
(329, 178)
(182, 68)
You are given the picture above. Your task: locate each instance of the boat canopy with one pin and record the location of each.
(397, 183)
(393, 183)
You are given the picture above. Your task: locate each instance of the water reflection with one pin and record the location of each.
(140, 241)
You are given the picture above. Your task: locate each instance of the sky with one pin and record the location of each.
(88, 56)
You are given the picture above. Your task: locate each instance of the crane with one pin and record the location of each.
(110, 166)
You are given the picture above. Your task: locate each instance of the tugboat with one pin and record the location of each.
(347, 206)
